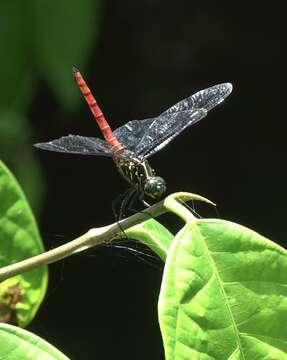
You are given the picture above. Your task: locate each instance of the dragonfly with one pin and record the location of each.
(131, 145)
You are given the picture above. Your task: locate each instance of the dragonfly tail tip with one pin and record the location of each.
(75, 69)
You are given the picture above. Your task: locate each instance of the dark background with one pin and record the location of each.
(146, 56)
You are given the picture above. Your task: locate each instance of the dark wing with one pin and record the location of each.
(164, 128)
(180, 116)
(205, 99)
(76, 144)
(132, 132)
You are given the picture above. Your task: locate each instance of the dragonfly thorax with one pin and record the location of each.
(137, 171)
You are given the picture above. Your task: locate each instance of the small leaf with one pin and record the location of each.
(155, 235)
(152, 234)
(19, 239)
(224, 294)
(17, 343)
(64, 34)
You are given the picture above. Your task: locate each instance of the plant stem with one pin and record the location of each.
(91, 238)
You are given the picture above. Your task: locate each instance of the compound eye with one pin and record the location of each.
(155, 187)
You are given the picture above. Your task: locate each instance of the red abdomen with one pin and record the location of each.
(96, 111)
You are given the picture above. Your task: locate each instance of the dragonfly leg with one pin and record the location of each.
(121, 203)
(128, 200)
(141, 198)
(117, 204)
(131, 198)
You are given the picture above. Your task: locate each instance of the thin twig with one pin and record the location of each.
(91, 238)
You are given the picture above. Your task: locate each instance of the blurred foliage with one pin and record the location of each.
(39, 40)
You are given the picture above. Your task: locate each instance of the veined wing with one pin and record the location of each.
(132, 132)
(76, 144)
(204, 99)
(147, 136)
(166, 127)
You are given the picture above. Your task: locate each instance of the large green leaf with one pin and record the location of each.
(224, 294)
(152, 234)
(19, 239)
(64, 34)
(17, 343)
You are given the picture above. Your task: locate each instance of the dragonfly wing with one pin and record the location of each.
(135, 134)
(76, 144)
(132, 132)
(205, 99)
(165, 128)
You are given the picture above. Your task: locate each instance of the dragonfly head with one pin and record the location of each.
(155, 187)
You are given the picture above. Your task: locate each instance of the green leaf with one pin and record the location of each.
(155, 235)
(64, 34)
(224, 294)
(152, 234)
(17, 343)
(16, 150)
(21, 295)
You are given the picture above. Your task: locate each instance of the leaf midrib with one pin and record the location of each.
(220, 282)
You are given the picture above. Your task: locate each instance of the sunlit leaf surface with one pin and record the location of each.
(152, 234)
(224, 294)
(17, 344)
(19, 239)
